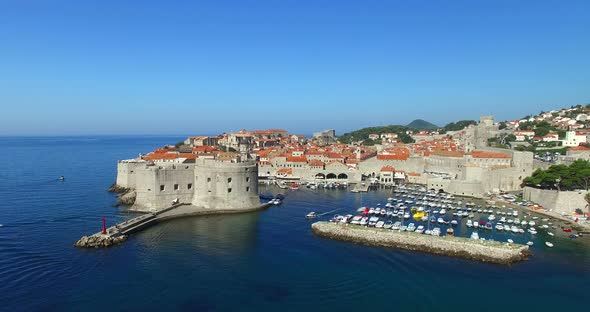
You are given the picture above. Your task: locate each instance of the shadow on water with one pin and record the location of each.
(217, 235)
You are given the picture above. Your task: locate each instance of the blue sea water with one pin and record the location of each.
(264, 261)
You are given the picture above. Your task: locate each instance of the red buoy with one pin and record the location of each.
(104, 225)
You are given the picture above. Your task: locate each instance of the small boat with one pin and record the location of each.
(550, 234)
(474, 235)
(549, 244)
(294, 186)
(469, 223)
(311, 215)
(406, 215)
(380, 224)
(396, 226)
(388, 225)
(62, 178)
(510, 241)
(411, 227)
(440, 220)
(529, 243)
(364, 221)
(420, 229)
(571, 236)
(450, 231)
(454, 222)
(567, 230)
(488, 226)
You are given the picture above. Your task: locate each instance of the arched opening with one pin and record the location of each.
(343, 176)
(331, 176)
(320, 176)
(441, 191)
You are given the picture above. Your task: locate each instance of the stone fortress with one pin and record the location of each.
(205, 183)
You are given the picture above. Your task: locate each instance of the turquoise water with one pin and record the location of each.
(265, 261)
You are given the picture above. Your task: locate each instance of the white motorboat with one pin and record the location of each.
(529, 243)
(469, 223)
(311, 215)
(532, 223)
(420, 229)
(492, 218)
(406, 215)
(510, 241)
(549, 244)
(379, 224)
(550, 234)
(411, 227)
(396, 226)
(364, 221)
(474, 235)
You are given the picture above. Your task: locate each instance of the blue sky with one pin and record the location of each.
(184, 67)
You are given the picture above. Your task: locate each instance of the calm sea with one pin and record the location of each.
(266, 261)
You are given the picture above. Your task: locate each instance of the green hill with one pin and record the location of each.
(420, 124)
(363, 134)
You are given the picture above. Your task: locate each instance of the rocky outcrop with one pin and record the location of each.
(118, 189)
(485, 251)
(128, 198)
(99, 241)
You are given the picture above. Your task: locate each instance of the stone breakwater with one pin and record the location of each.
(99, 241)
(460, 247)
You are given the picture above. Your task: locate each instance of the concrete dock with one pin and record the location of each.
(118, 233)
(461, 247)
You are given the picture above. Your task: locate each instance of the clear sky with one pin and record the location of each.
(194, 67)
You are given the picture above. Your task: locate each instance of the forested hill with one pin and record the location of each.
(420, 124)
(363, 134)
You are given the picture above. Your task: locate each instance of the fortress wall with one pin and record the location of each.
(149, 182)
(449, 165)
(224, 185)
(374, 165)
(126, 173)
(564, 201)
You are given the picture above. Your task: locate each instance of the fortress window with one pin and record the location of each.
(228, 180)
(176, 187)
(247, 179)
(229, 190)
(162, 187)
(208, 179)
(189, 186)
(247, 189)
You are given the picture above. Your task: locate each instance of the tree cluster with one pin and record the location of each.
(562, 177)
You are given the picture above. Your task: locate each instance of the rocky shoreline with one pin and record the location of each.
(460, 247)
(126, 196)
(99, 241)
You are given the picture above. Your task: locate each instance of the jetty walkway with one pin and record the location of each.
(119, 232)
(460, 247)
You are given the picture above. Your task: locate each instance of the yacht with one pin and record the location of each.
(549, 244)
(420, 229)
(474, 235)
(311, 215)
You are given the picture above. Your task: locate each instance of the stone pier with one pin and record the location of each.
(477, 250)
